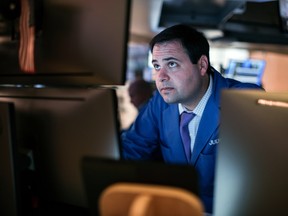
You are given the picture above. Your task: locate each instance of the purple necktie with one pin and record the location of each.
(184, 131)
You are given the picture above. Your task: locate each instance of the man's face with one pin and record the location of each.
(177, 79)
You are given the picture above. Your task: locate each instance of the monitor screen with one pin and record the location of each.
(79, 42)
(248, 70)
(251, 177)
(60, 126)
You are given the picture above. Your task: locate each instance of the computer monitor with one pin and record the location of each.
(99, 173)
(79, 42)
(60, 126)
(10, 193)
(251, 176)
(248, 70)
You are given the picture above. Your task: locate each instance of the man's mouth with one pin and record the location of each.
(165, 90)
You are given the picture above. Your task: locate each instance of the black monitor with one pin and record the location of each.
(100, 173)
(79, 42)
(251, 176)
(60, 126)
(10, 192)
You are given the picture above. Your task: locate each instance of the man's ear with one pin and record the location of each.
(203, 64)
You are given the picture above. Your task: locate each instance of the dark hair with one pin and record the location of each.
(193, 41)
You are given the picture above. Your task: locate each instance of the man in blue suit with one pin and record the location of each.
(185, 81)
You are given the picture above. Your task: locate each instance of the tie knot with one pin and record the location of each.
(186, 117)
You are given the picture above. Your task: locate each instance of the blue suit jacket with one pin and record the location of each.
(155, 135)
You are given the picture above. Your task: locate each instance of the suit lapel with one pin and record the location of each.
(209, 122)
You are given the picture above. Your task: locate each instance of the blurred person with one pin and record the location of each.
(186, 83)
(140, 91)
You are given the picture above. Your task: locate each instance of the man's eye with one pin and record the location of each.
(156, 67)
(172, 64)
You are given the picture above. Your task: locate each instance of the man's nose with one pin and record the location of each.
(162, 75)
